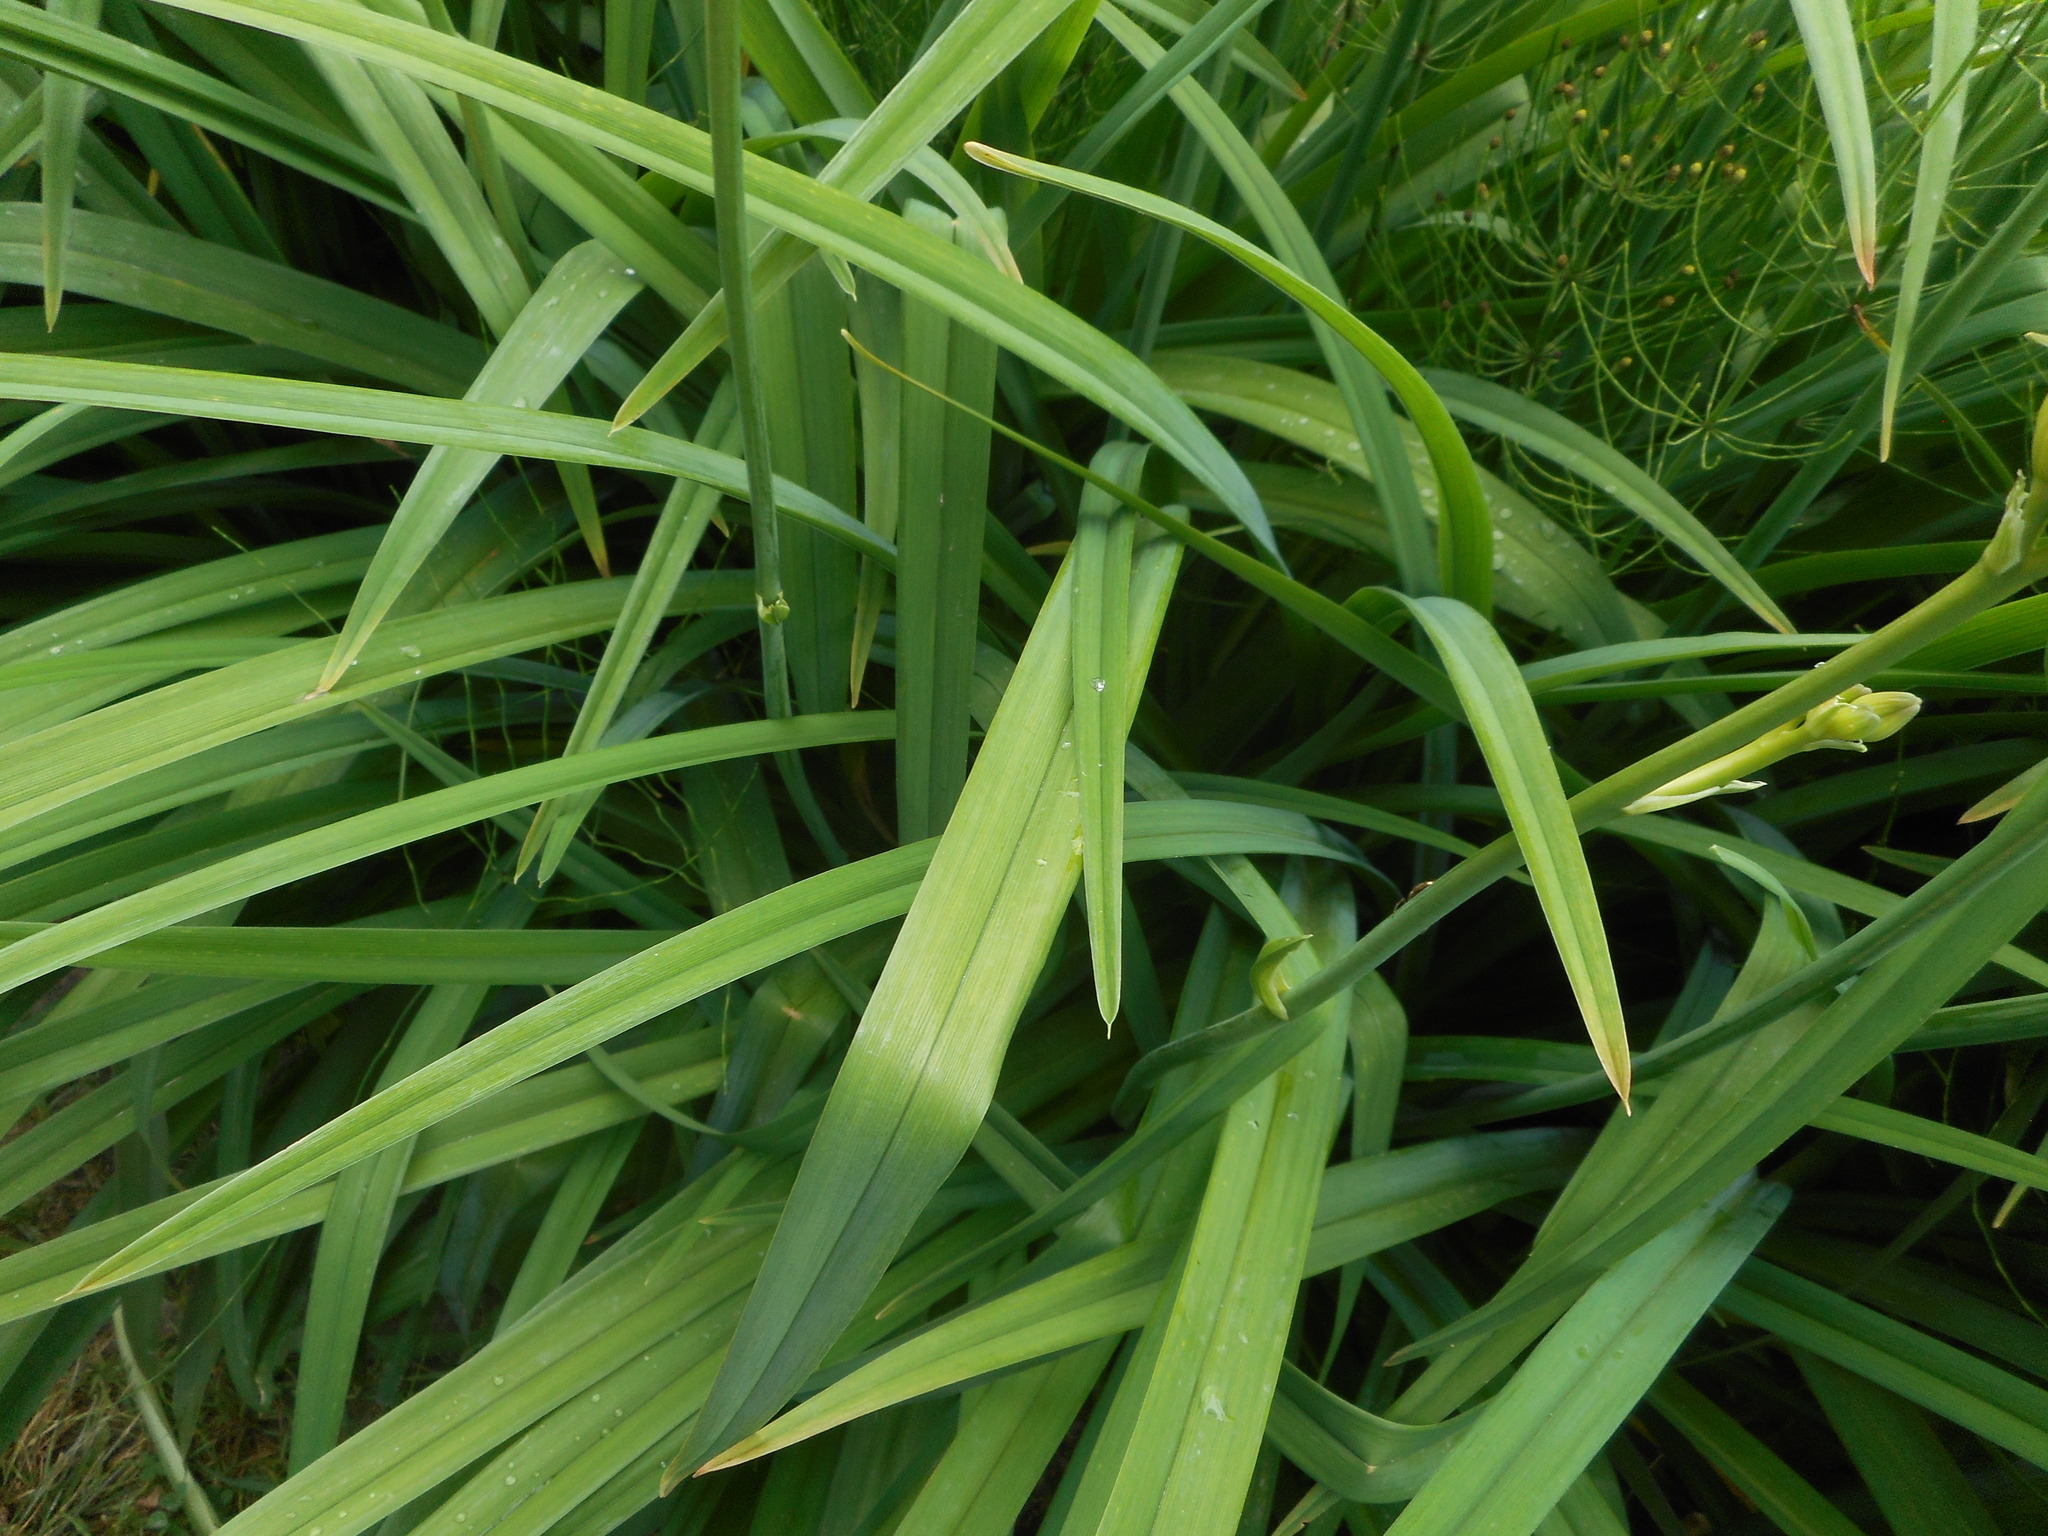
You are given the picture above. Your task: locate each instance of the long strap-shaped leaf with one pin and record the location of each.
(1097, 1298)
(672, 1294)
(1833, 56)
(977, 44)
(392, 826)
(1582, 1381)
(685, 514)
(546, 1111)
(1542, 430)
(193, 593)
(1363, 1457)
(808, 391)
(1997, 576)
(1909, 1472)
(1218, 26)
(398, 121)
(1464, 503)
(374, 413)
(1948, 86)
(1542, 573)
(723, 67)
(1017, 318)
(734, 944)
(1793, 1504)
(63, 46)
(1364, 1207)
(1332, 618)
(63, 125)
(570, 309)
(593, 189)
(1182, 1436)
(56, 1050)
(117, 743)
(1008, 1436)
(1465, 552)
(918, 1077)
(724, 949)
(170, 273)
(359, 1220)
(1102, 710)
(1890, 1127)
(984, 229)
(2005, 1409)
(929, 481)
(549, 957)
(1510, 735)
(1725, 1113)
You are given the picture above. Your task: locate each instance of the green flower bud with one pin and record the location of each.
(1849, 721)
(1856, 717)
(1893, 711)
(1841, 722)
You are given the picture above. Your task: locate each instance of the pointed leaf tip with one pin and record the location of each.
(1619, 1069)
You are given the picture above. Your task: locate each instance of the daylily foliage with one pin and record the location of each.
(1050, 766)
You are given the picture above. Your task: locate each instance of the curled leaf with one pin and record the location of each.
(1268, 985)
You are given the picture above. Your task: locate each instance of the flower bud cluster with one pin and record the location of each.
(1848, 722)
(1857, 717)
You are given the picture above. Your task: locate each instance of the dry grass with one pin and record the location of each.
(83, 1466)
(83, 1463)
